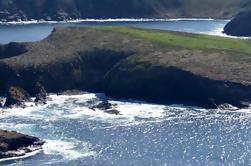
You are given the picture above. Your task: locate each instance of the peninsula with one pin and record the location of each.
(151, 65)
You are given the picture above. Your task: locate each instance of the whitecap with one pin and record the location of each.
(27, 155)
(68, 150)
(33, 21)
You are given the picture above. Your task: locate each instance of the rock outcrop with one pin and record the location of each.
(124, 65)
(240, 25)
(16, 96)
(106, 107)
(13, 144)
(40, 94)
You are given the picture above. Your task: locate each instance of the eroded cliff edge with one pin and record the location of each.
(150, 65)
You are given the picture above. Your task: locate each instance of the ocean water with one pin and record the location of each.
(143, 133)
(33, 32)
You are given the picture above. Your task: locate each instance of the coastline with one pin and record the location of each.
(33, 21)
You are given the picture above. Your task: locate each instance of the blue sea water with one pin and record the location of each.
(143, 133)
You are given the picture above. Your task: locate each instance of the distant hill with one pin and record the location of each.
(12, 10)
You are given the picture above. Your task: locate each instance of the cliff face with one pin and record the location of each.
(12, 10)
(157, 66)
(240, 25)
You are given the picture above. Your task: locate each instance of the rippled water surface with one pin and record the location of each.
(143, 134)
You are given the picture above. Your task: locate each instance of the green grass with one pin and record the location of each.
(186, 40)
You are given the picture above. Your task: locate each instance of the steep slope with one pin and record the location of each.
(12, 10)
(151, 65)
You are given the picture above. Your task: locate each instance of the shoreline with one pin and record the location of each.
(108, 20)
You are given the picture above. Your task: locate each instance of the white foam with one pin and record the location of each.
(33, 21)
(75, 107)
(27, 155)
(40, 112)
(67, 150)
(219, 32)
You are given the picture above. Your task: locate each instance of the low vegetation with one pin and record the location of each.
(190, 41)
(151, 65)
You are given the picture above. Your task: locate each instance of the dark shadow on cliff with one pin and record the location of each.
(11, 50)
(174, 86)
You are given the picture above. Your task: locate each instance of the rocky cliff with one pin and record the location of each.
(13, 144)
(240, 25)
(151, 65)
(13, 10)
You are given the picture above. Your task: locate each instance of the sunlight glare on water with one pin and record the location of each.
(142, 134)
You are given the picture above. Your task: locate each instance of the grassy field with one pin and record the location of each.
(186, 40)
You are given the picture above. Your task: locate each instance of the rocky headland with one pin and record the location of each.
(13, 144)
(239, 25)
(150, 65)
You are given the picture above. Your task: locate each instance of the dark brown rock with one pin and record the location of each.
(106, 107)
(112, 111)
(16, 96)
(40, 94)
(13, 144)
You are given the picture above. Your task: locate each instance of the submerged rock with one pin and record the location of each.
(112, 111)
(13, 144)
(72, 92)
(16, 96)
(105, 105)
(227, 107)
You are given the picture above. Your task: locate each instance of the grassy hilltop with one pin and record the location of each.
(151, 65)
(66, 9)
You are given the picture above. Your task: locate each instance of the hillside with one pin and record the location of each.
(12, 10)
(151, 65)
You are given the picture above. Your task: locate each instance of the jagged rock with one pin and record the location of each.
(16, 96)
(227, 107)
(72, 92)
(1, 103)
(106, 107)
(13, 144)
(41, 95)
